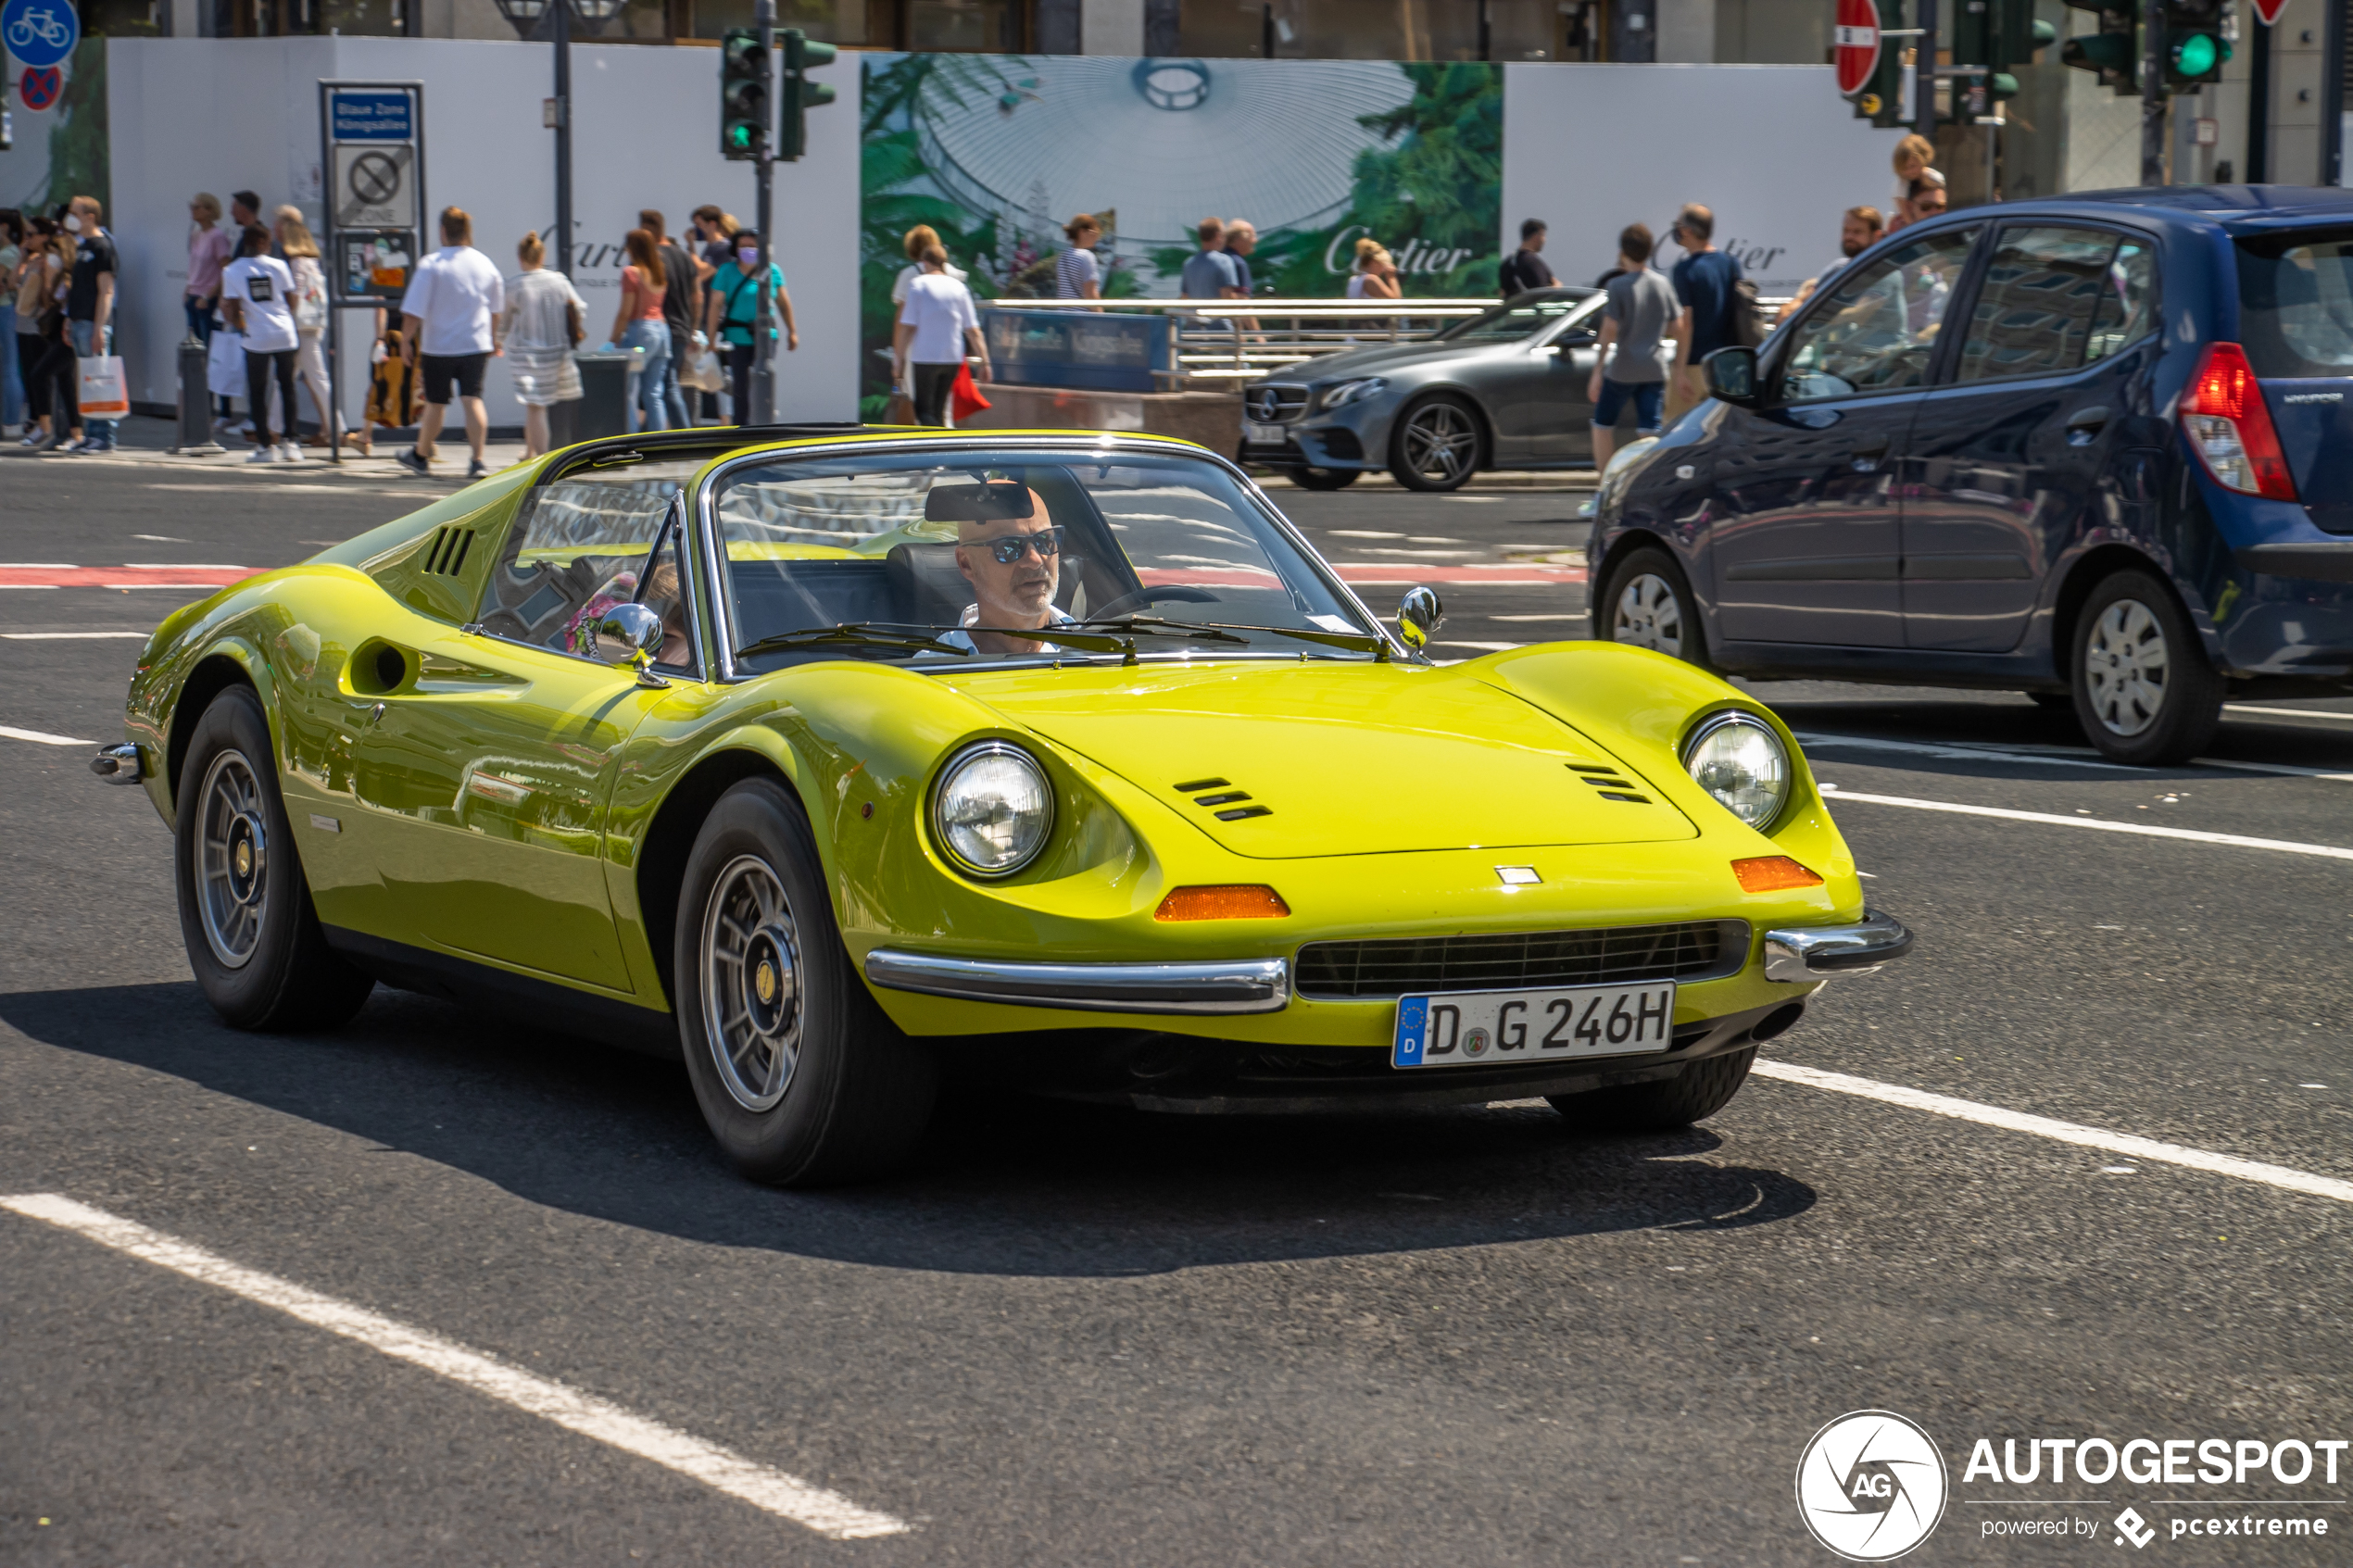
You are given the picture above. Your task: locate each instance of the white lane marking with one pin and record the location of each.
(2147, 830)
(1532, 618)
(66, 636)
(42, 738)
(828, 1514)
(35, 587)
(2280, 1176)
(1360, 533)
(177, 566)
(37, 566)
(2287, 713)
(165, 538)
(2054, 756)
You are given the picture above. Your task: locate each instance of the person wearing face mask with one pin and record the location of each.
(731, 305)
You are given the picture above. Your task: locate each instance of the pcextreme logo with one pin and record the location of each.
(1871, 1486)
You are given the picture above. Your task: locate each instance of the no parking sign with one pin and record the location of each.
(41, 87)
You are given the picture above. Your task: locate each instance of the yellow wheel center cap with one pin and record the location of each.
(763, 979)
(244, 860)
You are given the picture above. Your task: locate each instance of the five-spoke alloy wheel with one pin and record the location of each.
(803, 1078)
(1437, 444)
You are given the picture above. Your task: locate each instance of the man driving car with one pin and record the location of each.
(1014, 563)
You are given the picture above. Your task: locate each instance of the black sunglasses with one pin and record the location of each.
(1047, 542)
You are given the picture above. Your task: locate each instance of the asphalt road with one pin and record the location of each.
(1075, 1335)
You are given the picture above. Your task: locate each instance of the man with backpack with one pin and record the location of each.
(731, 304)
(1718, 312)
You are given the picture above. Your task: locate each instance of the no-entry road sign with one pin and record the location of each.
(1857, 37)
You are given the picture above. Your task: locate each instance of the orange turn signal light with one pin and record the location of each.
(1769, 873)
(1235, 900)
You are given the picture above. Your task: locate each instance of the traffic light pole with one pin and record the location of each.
(1924, 76)
(763, 347)
(2153, 92)
(563, 22)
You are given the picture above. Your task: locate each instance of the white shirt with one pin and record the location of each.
(456, 292)
(1055, 616)
(265, 287)
(908, 274)
(940, 309)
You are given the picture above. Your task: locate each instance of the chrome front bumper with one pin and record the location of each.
(1231, 986)
(117, 764)
(1825, 952)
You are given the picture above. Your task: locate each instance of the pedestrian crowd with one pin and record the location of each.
(60, 389)
(1658, 329)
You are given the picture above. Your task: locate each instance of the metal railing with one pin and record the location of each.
(1221, 342)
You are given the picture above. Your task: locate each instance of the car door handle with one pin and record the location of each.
(1865, 458)
(2084, 425)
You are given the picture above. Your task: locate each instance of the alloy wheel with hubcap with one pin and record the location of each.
(2145, 691)
(233, 839)
(752, 983)
(1647, 604)
(1437, 445)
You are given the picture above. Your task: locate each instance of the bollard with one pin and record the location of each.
(196, 402)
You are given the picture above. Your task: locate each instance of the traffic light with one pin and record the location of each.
(743, 95)
(2114, 51)
(800, 95)
(1881, 100)
(2016, 38)
(2194, 47)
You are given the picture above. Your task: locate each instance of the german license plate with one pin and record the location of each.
(1263, 435)
(1499, 1028)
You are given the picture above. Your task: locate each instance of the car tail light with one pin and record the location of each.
(2230, 425)
(1224, 901)
(1770, 873)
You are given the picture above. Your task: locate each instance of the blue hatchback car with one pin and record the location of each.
(2096, 448)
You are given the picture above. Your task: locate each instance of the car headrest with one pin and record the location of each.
(991, 501)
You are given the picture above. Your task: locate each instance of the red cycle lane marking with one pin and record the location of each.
(122, 576)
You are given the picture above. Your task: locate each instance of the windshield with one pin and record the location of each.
(579, 546)
(1509, 323)
(1143, 545)
(2295, 305)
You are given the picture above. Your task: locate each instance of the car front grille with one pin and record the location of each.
(1699, 950)
(1274, 403)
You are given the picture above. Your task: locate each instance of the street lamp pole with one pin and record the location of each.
(563, 137)
(763, 352)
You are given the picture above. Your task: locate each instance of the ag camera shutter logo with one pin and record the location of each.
(1871, 1486)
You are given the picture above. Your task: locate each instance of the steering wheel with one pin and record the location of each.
(1143, 596)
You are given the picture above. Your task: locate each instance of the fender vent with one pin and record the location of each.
(1611, 785)
(446, 551)
(1223, 793)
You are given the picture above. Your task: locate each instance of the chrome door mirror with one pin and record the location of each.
(1732, 376)
(631, 634)
(1418, 615)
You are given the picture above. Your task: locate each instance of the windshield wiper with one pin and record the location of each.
(1153, 625)
(1355, 641)
(853, 632)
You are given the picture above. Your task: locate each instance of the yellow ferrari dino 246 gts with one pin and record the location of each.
(839, 761)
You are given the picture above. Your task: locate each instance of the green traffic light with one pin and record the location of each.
(2197, 53)
(740, 135)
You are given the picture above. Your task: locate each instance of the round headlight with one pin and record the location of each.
(993, 809)
(1742, 762)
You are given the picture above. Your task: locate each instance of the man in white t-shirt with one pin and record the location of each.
(257, 297)
(444, 321)
(937, 328)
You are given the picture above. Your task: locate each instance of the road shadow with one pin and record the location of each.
(1004, 1185)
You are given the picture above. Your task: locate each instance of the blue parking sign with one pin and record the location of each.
(40, 33)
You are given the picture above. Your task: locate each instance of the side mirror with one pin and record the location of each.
(1418, 615)
(631, 635)
(1732, 376)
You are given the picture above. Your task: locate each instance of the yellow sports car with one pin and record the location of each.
(838, 761)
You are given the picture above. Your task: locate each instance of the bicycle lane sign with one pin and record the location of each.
(40, 33)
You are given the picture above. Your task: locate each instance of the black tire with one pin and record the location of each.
(2143, 688)
(246, 915)
(1324, 479)
(1646, 602)
(1437, 444)
(826, 1089)
(1704, 1088)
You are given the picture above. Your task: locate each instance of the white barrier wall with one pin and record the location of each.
(1773, 149)
(221, 115)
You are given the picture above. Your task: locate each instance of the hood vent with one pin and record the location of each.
(1223, 793)
(1610, 784)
